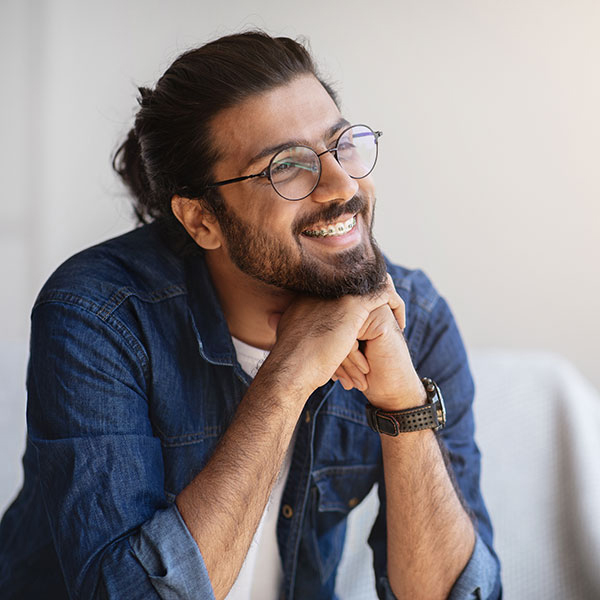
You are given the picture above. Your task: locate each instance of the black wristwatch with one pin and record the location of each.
(429, 416)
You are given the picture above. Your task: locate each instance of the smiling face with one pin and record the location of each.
(321, 245)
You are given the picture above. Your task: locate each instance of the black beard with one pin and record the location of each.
(358, 271)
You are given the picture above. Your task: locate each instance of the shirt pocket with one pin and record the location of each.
(334, 493)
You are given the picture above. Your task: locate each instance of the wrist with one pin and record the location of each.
(408, 397)
(430, 415)
(299, 368)
(278, 377)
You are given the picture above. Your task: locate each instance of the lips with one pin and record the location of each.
(337, 228)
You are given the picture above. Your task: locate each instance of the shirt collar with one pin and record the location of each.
(214, 338)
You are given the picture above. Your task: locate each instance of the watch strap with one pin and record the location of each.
(410, 419)
(429, 416)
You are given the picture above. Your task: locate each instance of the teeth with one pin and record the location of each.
(334, 229)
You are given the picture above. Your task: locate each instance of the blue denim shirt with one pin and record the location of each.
(132, 380)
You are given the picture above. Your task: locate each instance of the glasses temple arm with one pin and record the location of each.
(236, 179)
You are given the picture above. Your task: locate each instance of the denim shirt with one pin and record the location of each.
(132, 381)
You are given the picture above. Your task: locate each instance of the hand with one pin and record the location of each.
(315, 336)
(381, 366)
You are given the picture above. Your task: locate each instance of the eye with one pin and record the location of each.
(292, 163)
(346, 149)
(280, 167)
(346, 146)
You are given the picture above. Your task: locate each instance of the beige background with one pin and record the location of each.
(488, 178)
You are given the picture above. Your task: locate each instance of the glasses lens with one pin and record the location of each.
(357, 151)
(295, 172)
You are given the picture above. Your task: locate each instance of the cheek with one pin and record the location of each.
(367, 186)
(274, 217)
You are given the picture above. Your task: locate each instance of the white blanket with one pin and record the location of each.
(538, 427)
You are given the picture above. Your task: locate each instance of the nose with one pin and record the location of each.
(335, 183)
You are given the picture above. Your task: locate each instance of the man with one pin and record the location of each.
(197, 388)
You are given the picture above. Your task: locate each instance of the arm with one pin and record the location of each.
(430, 539)
(100, 464)
(223, 504)
(101, 467)
(429, 535)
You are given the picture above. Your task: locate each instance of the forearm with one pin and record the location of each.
(223, 505)
(430, 537)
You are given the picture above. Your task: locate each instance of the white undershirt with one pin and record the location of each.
(261, 575)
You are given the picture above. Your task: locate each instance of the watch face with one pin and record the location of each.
(440, 408)
(434, 395)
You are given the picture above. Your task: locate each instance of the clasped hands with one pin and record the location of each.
(357, 340)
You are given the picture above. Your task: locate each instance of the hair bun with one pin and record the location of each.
(145, 96)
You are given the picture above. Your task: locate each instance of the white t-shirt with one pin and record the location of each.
(261, 575)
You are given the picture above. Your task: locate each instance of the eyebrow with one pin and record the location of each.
(272, 150)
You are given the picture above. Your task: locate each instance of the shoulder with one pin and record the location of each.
(139, 263)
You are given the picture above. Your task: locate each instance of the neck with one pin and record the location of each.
(251, 307)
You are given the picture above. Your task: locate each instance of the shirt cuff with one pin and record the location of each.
(169, 554)
(480, 579)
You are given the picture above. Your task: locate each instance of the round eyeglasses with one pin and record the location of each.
(295, 172)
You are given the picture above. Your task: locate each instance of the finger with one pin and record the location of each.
(377, 323)
(396, 304)
(356, 376)
(387, 295)
(400, 315)
(346, 383)
(344, 378)
(358, 358)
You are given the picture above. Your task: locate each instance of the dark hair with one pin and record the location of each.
(169, 150)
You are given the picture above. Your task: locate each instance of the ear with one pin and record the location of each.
(198, 222)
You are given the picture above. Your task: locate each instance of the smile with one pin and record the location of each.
(335, 229)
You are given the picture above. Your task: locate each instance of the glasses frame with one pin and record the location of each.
(334, 150)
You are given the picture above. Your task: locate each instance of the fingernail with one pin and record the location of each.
(345, 383)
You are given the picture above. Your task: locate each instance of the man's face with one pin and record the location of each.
(268, 237)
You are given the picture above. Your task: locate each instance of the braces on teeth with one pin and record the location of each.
(339, 229)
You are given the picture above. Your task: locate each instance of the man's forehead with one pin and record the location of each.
(298, 112)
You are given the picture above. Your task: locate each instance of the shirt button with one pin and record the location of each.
(352, 502)
(307, 418)
(287, 511)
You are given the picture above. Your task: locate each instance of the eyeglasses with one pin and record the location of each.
(295, 172)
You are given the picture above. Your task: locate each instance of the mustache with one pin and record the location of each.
(331, 212)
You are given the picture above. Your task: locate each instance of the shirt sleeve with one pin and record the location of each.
(478, 581)
(101, 471)
(438, 352)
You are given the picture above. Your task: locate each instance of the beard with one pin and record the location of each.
(360, 270)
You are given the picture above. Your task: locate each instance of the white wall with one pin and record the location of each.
(488, 177)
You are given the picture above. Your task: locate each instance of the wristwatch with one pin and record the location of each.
(429, 416)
